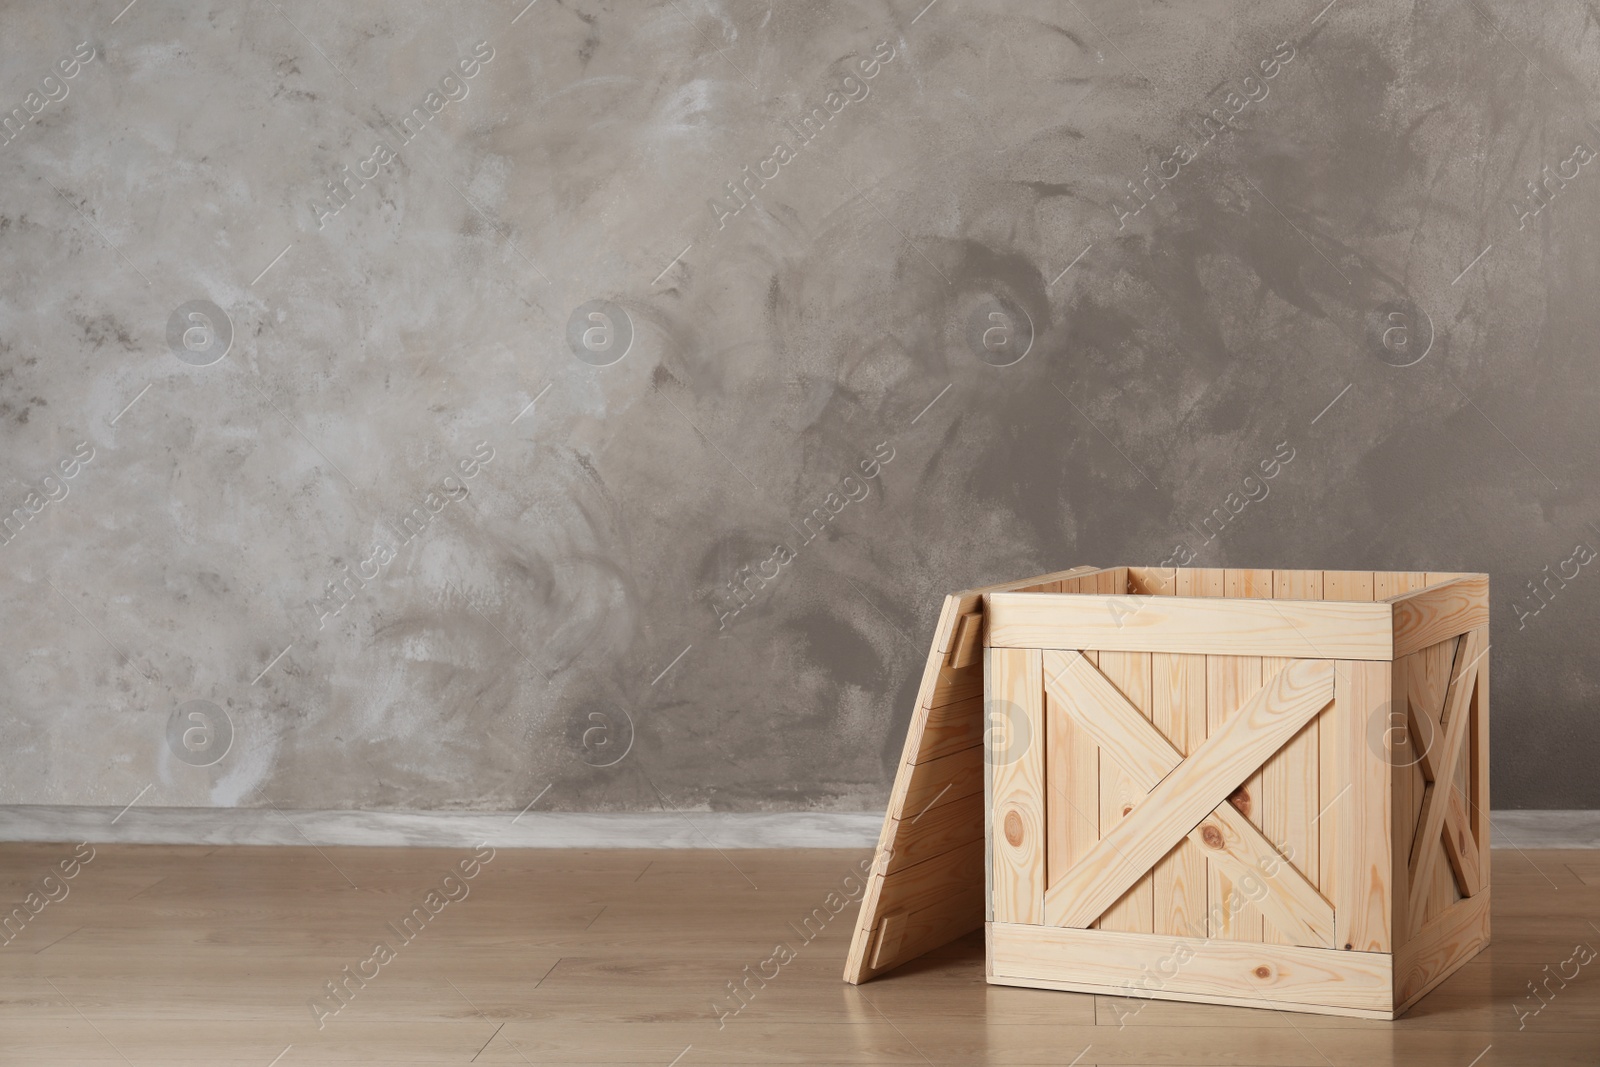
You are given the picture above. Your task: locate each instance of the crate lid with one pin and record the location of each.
(928, 883)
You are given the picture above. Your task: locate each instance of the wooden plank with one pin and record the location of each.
(1178, 710)
(1427, 678)
(1460, 847)
(1226, 626)
(1290, 786)
(966, 648)
(1335, 800)
(1287, 902)
(945, 780)
(1478, 779)
(1111, 717)
(1364, 887)
(1347, 585)
(1438, 612)
(1015, 692)
(1296, 585)
(952, 685)
(1072, 785)
(1405, 793)
(1152, 581)
(1121, 791)
(1457, 725)
(1386, 584)
(1184, 1042)
(950, 728)
(1435, 951)
(1263, 976)
(1230, 680)
(1184, 797)
(1199, 581)
(924, 835)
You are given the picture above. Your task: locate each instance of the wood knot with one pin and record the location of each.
(1240, 799)
(1127, 809)
(1014, 828)
(1211, 836)
(1263, 971)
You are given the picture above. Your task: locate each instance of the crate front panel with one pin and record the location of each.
(1144, 811)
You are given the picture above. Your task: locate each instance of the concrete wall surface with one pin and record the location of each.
(449, 406)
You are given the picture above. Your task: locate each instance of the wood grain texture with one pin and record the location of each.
(1433, 953)
(1427, 847)
(1222, 626)
(1178, 711)
(1016, 815)
(1268, 976)
(1177, 803)
(1243, 856)
(1121, 791)
(1347, 585)
(1290, 782)
(946, 722)
(1437, 612)
(1366, 879)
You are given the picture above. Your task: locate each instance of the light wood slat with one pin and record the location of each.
(1120, 792)
(1225, 626)
(1181, 799)
(1405, 793)
(1439, 612)
(970, 600)
(1425, 693)
(1457, 725)
(924, 835)
(1199, 581)
(966, 648)
(1072, 786)
(1106, 714)
(1152, 581)
(943, 781)
(1335, 798)
(1265, 976)
(1386, 584)
(1460, 847)
(1297, 585)
(1434, 952)
(952, 686)
(1427, 672)
(1288, 903)
(1290, 788)
(1229, 680)
(1347, 585)
(1478, 782)
(1015, 690)
(1364, 885)
(950, 728)
(1178, 711)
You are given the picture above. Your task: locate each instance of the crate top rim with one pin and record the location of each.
(1444, 578)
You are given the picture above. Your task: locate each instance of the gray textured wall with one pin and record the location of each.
(405, 250)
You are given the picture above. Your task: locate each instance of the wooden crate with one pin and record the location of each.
(1254, 787)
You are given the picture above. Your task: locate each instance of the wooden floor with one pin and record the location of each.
(163, 955)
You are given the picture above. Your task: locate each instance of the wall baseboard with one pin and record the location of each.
(1544, 829)
(438, 829)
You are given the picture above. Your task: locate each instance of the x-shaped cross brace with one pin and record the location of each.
(1188, 796)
